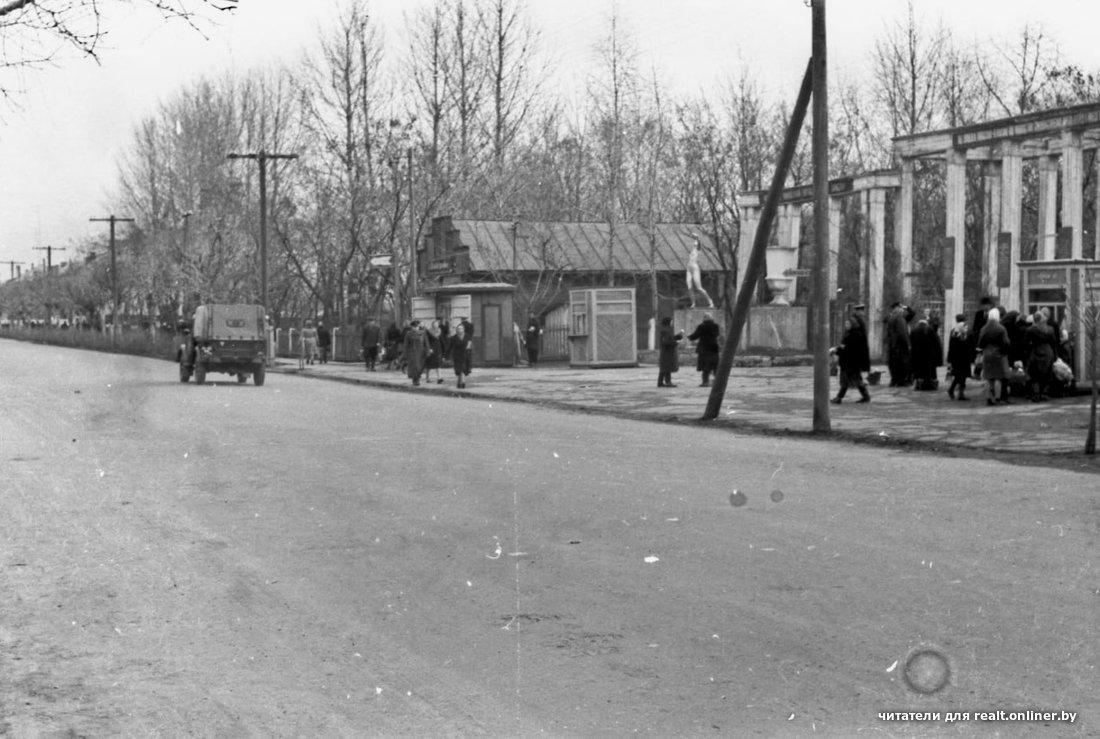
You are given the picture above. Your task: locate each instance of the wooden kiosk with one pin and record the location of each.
(1070, 288)
(602, 328)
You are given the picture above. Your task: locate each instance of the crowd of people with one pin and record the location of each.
(1026, 356)
(417, 350)
(1009, 353)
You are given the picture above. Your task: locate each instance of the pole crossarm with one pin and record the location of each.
(49, 254)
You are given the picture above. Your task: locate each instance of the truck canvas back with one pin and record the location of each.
(230, 339)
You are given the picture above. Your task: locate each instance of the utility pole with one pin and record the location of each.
(12, 266)
(262, 156)
(49, 255)
(414, 277)
(49, 270)
(820, 155)
(113, 219)
(756, 264)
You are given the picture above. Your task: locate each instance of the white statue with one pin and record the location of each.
(694, 277)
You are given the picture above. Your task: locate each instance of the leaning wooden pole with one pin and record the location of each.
(755, 266)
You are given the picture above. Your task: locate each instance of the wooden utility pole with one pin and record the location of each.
(49, 255)
(112, 219)
(820, 153)
(262, 156)
(49, 270)
(755, 266)
(414, 276)
(12, 266)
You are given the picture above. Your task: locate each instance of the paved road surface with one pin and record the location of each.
(320, 559)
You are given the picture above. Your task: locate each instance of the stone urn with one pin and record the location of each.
(780, 259)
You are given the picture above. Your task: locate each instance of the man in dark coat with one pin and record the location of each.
(960, 356)
(927, 355)
(324, 342)
(706, 335)
(531, 337)
(854, 356)
(668, 359)
(897, 345)
(370, 338)
(416, 352)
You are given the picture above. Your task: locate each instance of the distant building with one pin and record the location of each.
(497, 272)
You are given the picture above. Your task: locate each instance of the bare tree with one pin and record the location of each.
(514, 78)
(39, 32)
(614, 94)
(908, 74)
(1017, 75)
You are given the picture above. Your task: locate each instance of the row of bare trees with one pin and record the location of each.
(457, 115)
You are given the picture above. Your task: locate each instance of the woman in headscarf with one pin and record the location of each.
(993, 344)
(668, 360)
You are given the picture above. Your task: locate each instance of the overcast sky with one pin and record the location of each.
(58, 150)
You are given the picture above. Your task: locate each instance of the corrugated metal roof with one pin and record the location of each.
(581, 247)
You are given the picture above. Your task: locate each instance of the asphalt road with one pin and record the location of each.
(318, 559)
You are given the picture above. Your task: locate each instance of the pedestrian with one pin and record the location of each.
(435, 353)
(309, 343)
(415, 351)
(469, 329)
(706, 336)
(926, 355)
(1041, 352)
(532, 335)
(993, 345)
(324, 341)
(960, 355)
(461, 350)
(668, 358)
(370, 338)
(445, 337)
(854, 356)
(898, 345)
(986, 304)
(392, 346)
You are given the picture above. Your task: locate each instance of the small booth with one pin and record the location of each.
(1070, 289)
(488, 306)
(602, 328)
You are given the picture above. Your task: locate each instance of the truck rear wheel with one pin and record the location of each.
(258, 375)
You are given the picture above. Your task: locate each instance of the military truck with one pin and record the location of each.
(230, 339)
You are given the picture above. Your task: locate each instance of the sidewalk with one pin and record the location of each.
(769, 400)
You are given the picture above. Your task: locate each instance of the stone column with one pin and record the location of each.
(750, 220)
(794, 241)
(1073, 214)
(956, 229)
(903, 226)
(834, 249)
(1048, 207)
(1012, 189)
(875, 261)
(991, 189)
